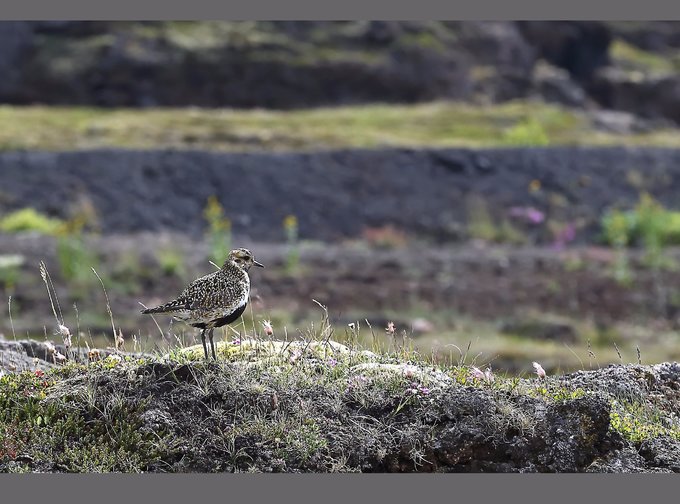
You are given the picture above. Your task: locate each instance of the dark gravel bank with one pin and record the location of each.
(338, 194)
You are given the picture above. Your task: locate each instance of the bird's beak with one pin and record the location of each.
(259, 265)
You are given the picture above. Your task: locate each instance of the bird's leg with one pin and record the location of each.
(212, 344)
(205, 348)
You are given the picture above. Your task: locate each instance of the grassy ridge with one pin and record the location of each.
(438, 124)
(316, 406)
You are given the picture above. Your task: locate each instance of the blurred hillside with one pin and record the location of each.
(621, 66)
(505, 185)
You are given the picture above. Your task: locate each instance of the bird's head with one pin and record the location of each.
(243, 258)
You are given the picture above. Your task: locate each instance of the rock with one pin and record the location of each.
(613, 121)
(32, 355)
(17, 356)
(554, 84)
(649, 98)
(16, 40)
(580, 47)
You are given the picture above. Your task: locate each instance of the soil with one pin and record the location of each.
(476, 281)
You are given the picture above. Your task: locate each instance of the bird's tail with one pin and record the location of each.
(157, 309)
(165, 308)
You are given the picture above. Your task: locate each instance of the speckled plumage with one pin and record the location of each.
(216, 299)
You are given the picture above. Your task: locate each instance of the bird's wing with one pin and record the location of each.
(213, 292)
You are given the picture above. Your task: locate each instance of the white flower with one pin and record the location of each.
(64, 332)
(51, 349)
(58, 356)
(539, 369)
(114, 358)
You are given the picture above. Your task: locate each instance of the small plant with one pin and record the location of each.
(171, 261)
(290, 226)
(656, 229)
(9, 270)
(648, 224)
(637, 422)
(482, 227)
(480, 222)
(617, 232)
(73, 254)
(218, 233)
(387, 237)
(563, 235)
(508, 233)
(29, 219)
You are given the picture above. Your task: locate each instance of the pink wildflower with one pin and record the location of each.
(539, 369)
(477, 373)
(486, 375)
(530, 214)
(268, 329)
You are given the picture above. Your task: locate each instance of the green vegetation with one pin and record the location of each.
(481, 225)
(9, 271)
(649, 224)
(652, 225)
(79, 427)
(530, 132)
(290, 227)
(172, 261)
(638, 422)
(305, 405)
(438, 124)
(74, 255)
(645, 61)
(29, 219)
(218, 233)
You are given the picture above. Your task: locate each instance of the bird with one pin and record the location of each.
(214, 300)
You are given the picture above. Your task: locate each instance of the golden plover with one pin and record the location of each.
(216, 299)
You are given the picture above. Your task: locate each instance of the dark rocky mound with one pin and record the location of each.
(428, 193)
(305, 64)
(305, 417)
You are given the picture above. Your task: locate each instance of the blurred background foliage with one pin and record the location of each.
(503, 186)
